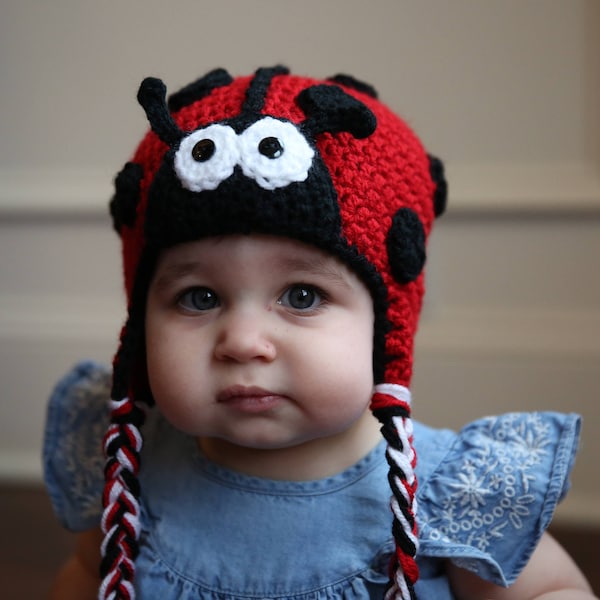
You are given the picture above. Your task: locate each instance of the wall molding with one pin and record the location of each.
(474, 188)
(43, 192)
(515, 331)
(21, 467)
(27, 318)
(515, 188)
(579, 509)
(471, 331)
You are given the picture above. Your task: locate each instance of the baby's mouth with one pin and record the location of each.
(249, 399)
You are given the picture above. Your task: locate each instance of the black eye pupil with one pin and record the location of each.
(203, 150)
(203, 299)
(301, 297)
(270, 147)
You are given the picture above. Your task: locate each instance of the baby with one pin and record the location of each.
(274, 231)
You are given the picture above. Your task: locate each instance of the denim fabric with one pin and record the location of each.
(76, 421)
(485, 496)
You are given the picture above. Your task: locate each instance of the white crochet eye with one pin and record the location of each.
(274, 153)
(207, 157)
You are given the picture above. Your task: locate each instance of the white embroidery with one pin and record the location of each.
(488, 495)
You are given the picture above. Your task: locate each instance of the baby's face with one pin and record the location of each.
(259, 342)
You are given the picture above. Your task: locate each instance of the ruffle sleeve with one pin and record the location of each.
(77, 417)
(492, 495)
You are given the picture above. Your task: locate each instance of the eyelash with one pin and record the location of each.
(187, 300)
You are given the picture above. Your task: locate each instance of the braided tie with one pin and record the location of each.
(391, 405)
(121, 517)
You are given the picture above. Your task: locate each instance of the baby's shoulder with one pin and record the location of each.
(76, 421)
(487, 492)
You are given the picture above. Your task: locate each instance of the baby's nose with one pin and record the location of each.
(245, 336)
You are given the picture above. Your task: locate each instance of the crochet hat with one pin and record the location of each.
(322, 162)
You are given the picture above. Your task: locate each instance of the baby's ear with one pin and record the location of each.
(406, 246)
(127, 194)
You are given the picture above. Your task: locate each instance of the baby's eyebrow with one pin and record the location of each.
(296, 266)
(314, 266)
(174, 272)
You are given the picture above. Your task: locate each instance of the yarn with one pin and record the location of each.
(121, 517)
(322, 162)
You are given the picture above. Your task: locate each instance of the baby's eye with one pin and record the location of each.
(301, 297)
(198, 299)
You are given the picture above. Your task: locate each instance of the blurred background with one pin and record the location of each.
(506, 92)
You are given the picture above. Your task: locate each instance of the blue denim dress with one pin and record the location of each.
(485, 496)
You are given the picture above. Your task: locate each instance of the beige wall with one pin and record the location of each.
(506, 91)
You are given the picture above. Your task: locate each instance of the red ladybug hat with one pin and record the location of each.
(323, 162)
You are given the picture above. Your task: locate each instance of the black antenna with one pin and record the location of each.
(152, 96)
(257, 90)
(199, 89)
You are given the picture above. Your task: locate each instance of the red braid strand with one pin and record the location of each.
(121, 517)
(391, 405)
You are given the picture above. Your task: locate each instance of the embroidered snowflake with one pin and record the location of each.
(470, 489)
